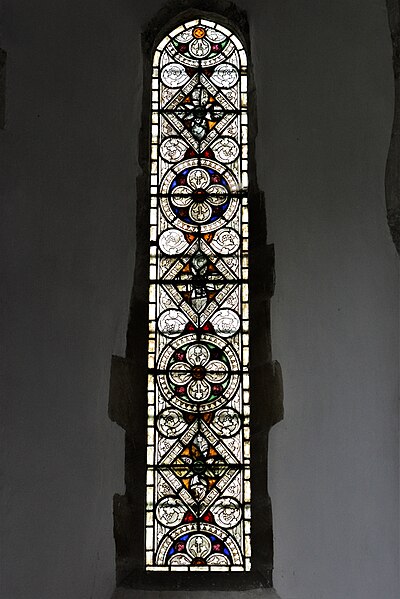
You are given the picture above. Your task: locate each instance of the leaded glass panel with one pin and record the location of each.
(198, 446)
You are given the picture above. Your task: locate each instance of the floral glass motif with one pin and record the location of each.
(198, 447)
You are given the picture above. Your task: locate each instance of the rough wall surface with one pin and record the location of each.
(334, 458)
(69, 163)
(67, 182)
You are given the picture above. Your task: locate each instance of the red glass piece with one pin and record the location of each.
(189, 517)
(199, 195)
(217, 389)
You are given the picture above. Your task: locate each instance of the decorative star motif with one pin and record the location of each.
(199, 112)
(199, 466)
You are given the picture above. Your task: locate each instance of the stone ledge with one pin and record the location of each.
(123, 593)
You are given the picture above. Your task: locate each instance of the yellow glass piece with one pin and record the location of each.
(199, 32)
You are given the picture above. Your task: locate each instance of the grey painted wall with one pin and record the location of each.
(334, 458)
(68, 168)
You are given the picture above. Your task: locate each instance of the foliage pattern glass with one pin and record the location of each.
(198, 447)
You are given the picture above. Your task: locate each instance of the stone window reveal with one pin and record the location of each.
(197, 409)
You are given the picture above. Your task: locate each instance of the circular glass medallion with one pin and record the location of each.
(199, 32)
(173, 149)
(174, 75)
(170, 511)
(226, 322)
(227, 512)
(226, 422)
(171, 323)
(226, 241)
(199, 546)
(197, 198)
(225, 75)
(172, 242)
(199, 48)
(225, 149)
(170, 423)
(198, 375)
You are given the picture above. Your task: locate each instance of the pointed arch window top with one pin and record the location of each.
(198, 443)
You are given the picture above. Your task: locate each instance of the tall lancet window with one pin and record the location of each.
(198, 446)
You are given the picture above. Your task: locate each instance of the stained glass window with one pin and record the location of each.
(198, 446)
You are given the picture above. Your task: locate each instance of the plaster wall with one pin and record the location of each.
(324, 132)
(68, 169)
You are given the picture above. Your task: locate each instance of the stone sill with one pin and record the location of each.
(123, 593)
